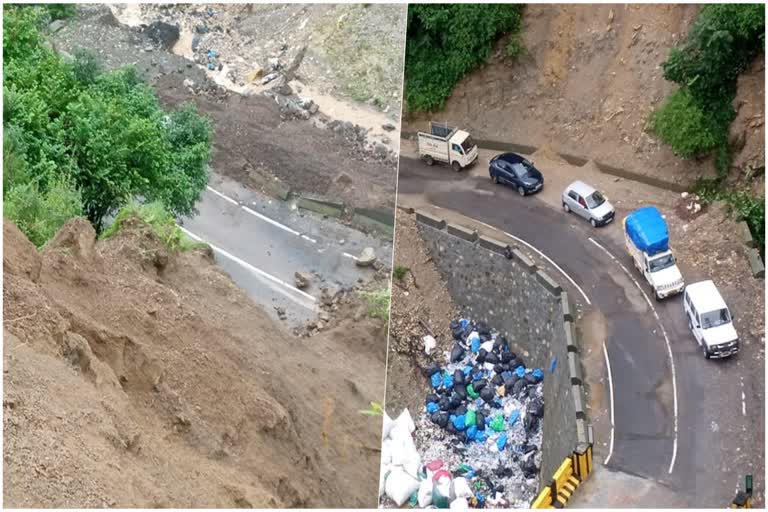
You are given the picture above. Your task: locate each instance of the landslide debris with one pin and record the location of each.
(137, 377)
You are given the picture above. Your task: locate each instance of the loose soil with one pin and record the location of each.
(587, 85)
(135, 377)
(421, 296)
(254, 141)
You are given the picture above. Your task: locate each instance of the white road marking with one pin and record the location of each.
(666, 340)
(534, 249)
(350, 256)
(260, 216)
(285, 286)
(610, 386)
(743, 399)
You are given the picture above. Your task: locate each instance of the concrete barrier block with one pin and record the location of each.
(574, 368)
(579, 402)
(565, 304)
(493, 245)
(429, 219)
(590, 434)
(570, 337)
(745, 235)
(549, 283)
(321, 206)
(381, 215)
(582, 431)
(755, 263)
(467, 234)
(372, 225)
(527, 264)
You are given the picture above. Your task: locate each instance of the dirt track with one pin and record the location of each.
(138, 378)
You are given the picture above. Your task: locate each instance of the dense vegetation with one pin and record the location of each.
(695, 120)
(722, 43)
(446, 41)
(81, 141)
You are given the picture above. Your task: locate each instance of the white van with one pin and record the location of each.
(710, 320)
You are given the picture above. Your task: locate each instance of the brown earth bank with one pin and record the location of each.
(421, 305)
(587, 85)
(135, 377)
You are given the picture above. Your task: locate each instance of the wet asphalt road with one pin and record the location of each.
(261, 247)
(712, 428)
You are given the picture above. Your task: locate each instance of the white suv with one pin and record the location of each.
(710, 320)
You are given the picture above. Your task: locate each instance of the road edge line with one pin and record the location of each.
(610, 386)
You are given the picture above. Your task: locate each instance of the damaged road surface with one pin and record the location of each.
(262, 243)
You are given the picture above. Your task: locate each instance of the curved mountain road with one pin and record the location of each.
(687, 448)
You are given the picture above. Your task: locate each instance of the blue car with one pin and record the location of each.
(514, 170)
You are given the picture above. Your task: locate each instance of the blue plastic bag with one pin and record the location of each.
(501, 442)
(475, 345)
(472, 433)
(538, 374)
(481, 437)
(432, 407)
(436, 380)
(514, 417)
(459, 422)
(448, 381)
(520, 371)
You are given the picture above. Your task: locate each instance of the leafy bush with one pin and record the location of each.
(515, 47)
(162, 223)
(681, 124)
(445, 42)
(750, 208)
(378, 303)
(61, 11)
(400, 272)
(721, 44)
(103, 132)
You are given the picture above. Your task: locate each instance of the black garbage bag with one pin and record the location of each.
(506, 357)
(532, 392)
(432, 398)
(487, 394)
(509, 384)
(458, 333)
(491, 358)
(497, 380)
(450, 428)
(529, 468)
(440, 418)
(433, 369)
(515, 362)
(460, 410)
(498, 368)
(528, 448)
(481, 355)
(461, 392)
(536, 408)
(445, 404)
(483, 329)
(530, 379)
(480, 422)
(458, 378)
(478, 385)
(531, 424)
(457, 354)
(518, 387)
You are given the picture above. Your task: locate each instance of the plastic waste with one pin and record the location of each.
(514, 417)
(425, 493)
(459, 422)
(470, 418)
(399, 486)
(433, 369)
(429, 344)
(457, 354)
(432, 408)
(460, 504)
(538, 374)
(472, 432)
(487, 394)
(447, 381)
(471, 391)
(501, 442)
(436, 380)
(387, 425)
(497, 423)
(441, 489)
(520, 371)
(480, 420)
(461, 488)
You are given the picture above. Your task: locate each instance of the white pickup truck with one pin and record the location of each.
(446, 144)
(647, 241)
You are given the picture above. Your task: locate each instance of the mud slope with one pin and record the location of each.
(591, 77)
(138, 378)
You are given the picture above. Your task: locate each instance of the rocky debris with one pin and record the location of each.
(281, 314)
(301, 279)
(367, 258)
(388, 127)
(56, 25)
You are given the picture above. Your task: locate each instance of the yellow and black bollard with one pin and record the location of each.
(743, 499)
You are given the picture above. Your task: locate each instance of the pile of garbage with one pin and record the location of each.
(478, 441)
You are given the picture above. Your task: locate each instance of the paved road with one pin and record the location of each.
(262, 242)
(711, 427)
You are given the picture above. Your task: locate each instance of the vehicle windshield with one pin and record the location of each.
(467, 145)
(661, 263)
(522, 169)
(715, 318)
(595, 200)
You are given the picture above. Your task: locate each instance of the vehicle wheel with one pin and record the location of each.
(456, 166)
(428, 160)
(705, 351)
(657, 296)
(521, 191)
(593, 222)
(566, 208)
(495, 179)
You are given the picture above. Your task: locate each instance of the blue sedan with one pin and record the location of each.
(514, 170)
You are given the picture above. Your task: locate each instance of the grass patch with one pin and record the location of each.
(375, 410)
(161, 222)
(378, 303)
(400, 272)
(748, 207)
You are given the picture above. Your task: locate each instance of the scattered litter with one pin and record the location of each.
(477, 443)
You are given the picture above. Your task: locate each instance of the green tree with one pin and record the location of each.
(445, 42)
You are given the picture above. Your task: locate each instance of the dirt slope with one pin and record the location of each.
(138, 378)
(591, 78)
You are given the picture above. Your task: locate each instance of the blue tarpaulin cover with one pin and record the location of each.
(647, 229)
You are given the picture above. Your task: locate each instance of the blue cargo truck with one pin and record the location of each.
(647, 240)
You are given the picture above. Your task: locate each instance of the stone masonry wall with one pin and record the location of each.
(495, 283)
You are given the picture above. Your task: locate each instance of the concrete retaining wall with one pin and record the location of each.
(496, 283)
